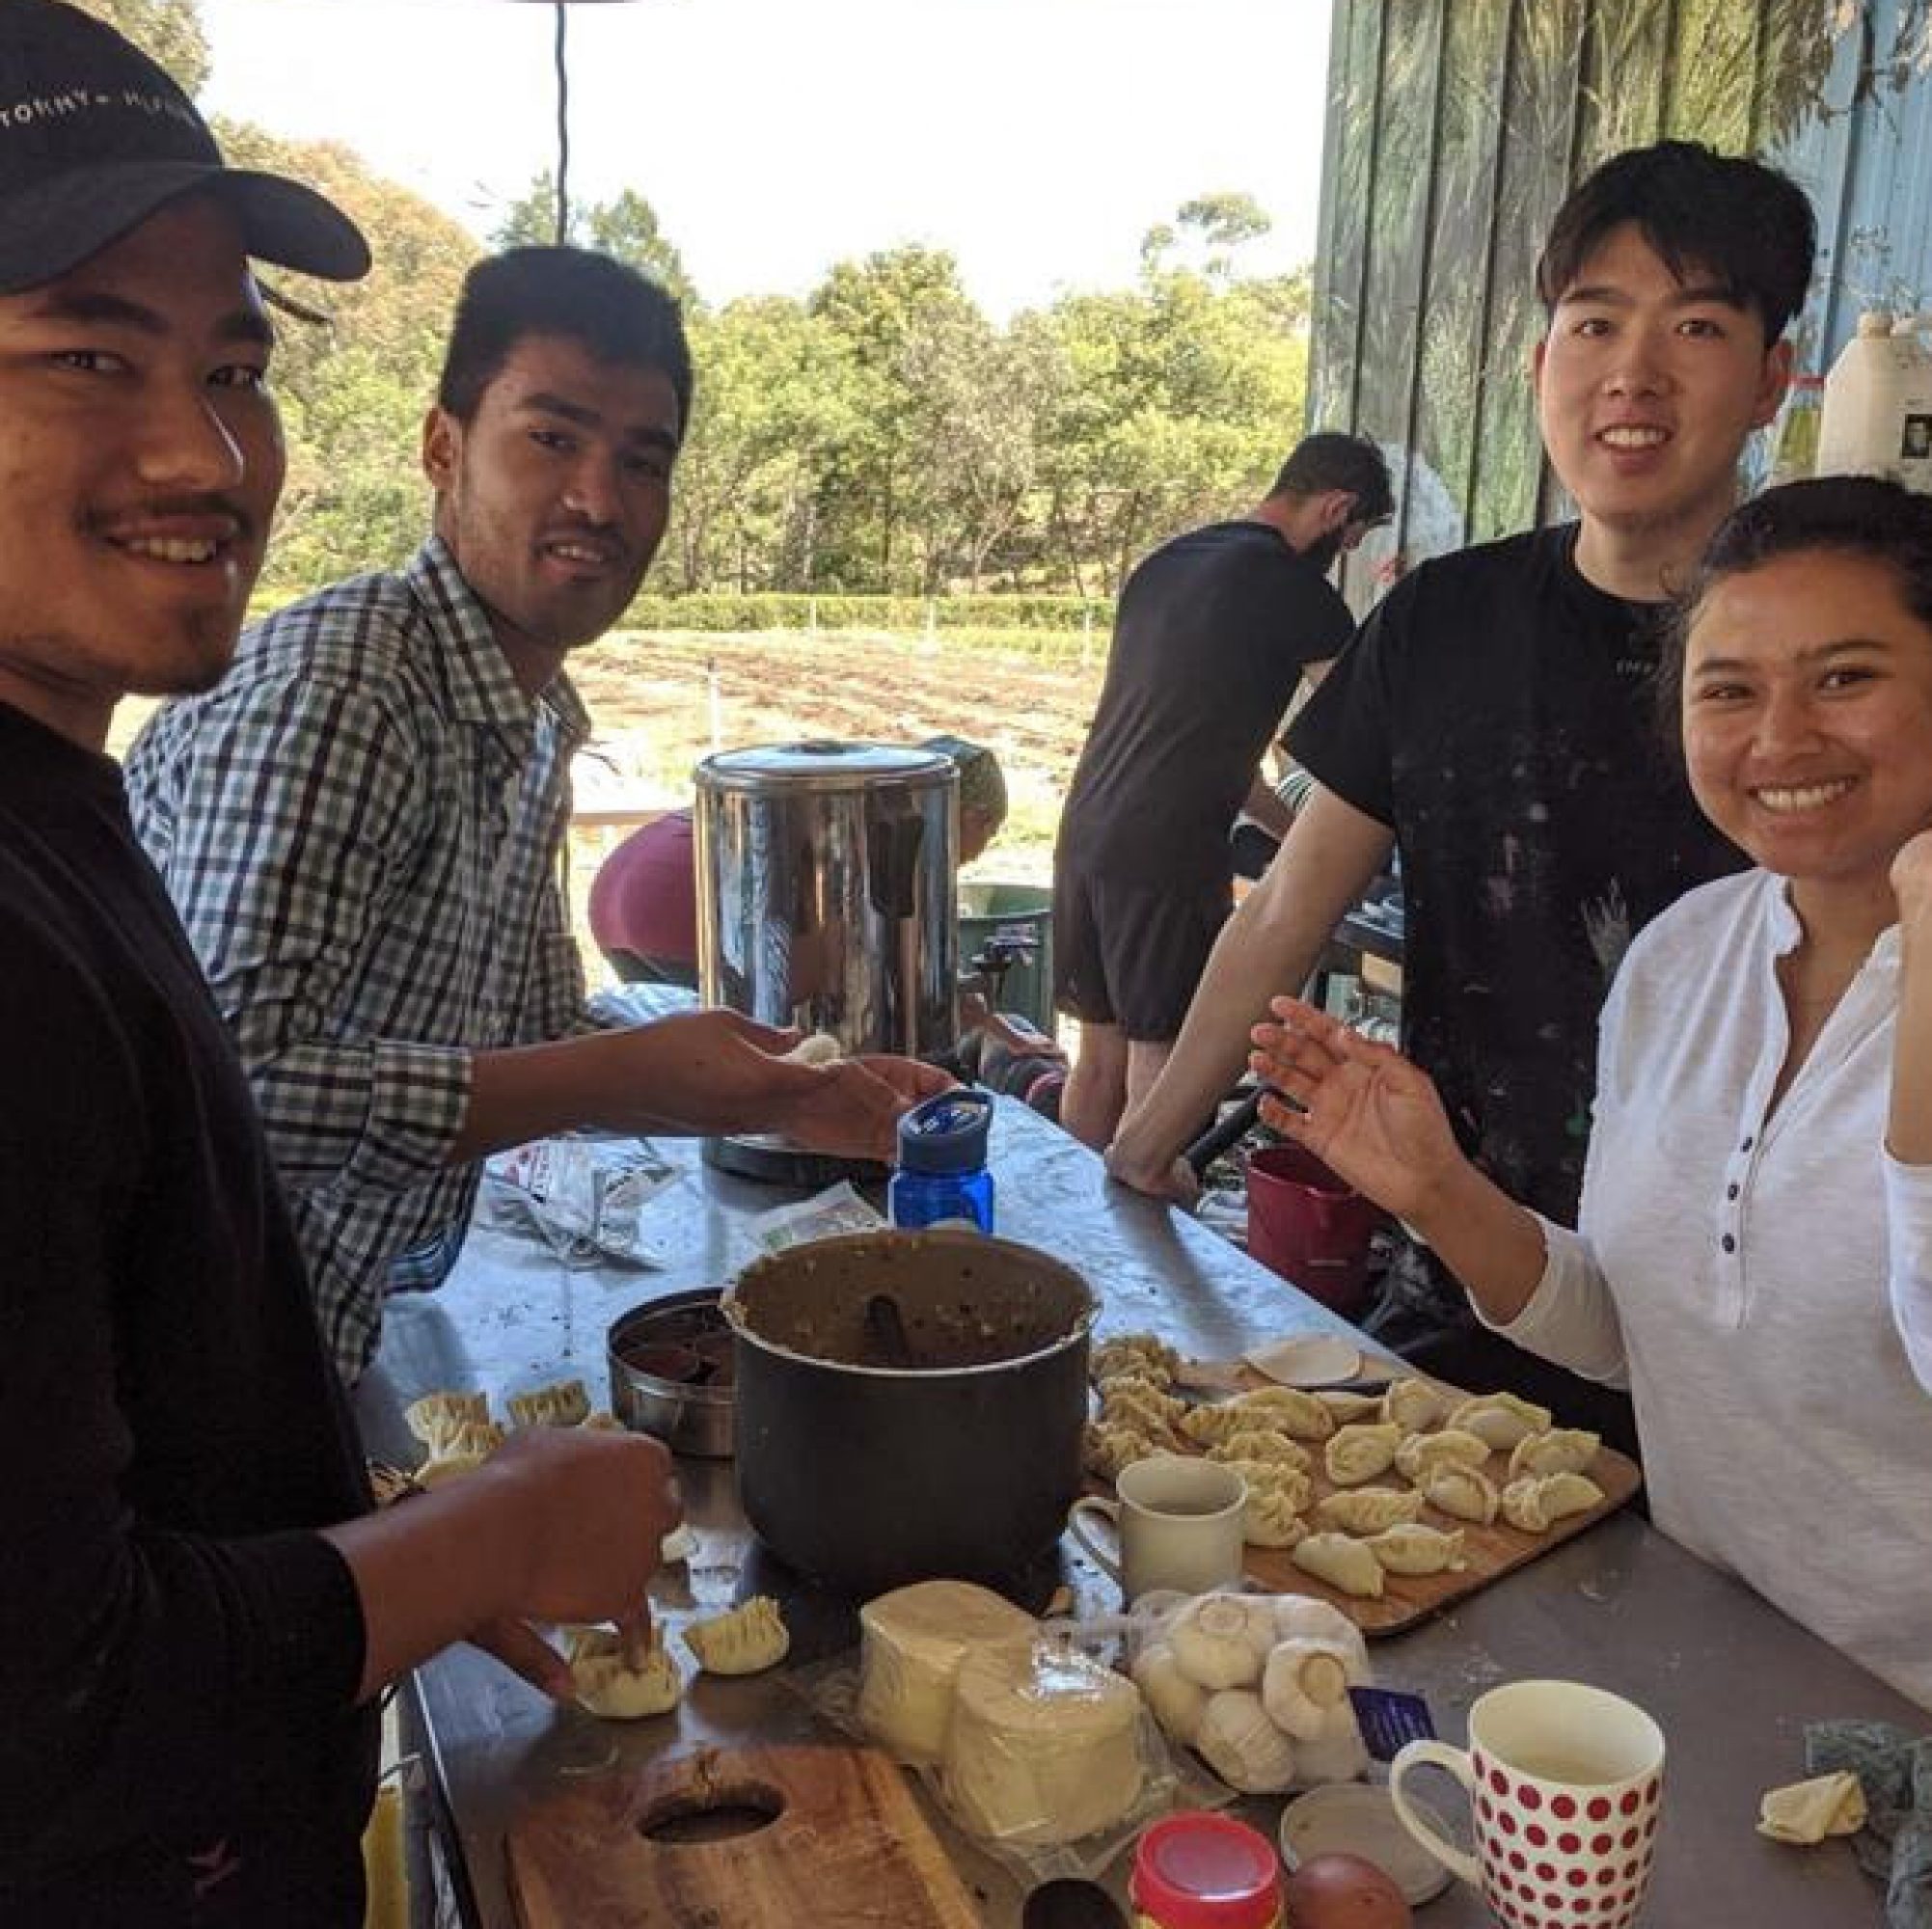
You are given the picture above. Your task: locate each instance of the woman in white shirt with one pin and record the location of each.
(1754, 1249)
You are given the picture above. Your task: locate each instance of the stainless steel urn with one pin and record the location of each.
(825, 900)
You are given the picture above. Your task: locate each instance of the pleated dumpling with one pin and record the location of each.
(1141, 1354)
(1343, 1562)
(1564, 1449)
(1421, 1454)
(1534, 1501)
(1270, 1518)
(1463, 1492)
(1141, 1405)
(1109, 1445)
(1361, 1451)
(1288, 1409)
(1410, 1547)
(751, 1637)
(1367, 1510)
(1414, 1405)
(566, 1404)
(437, 1415)
(1289, 1486)
(606, 1685)
(1262, 1442)
(1501, 1419)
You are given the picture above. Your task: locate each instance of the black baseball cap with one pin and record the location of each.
(94, 138)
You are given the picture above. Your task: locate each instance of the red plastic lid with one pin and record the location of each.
(1198, 1871)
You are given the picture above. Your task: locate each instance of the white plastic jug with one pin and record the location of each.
(1877, 418)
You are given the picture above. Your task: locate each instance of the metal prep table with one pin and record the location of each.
(1732, 1681)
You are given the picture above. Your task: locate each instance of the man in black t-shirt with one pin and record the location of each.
(1494, 721)
(1214, 632)
(198, 1611)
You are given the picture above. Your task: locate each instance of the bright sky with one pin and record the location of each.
(1038, 140)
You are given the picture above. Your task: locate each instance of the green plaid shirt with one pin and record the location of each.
(363, 831)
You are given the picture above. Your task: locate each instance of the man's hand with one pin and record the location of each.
(584, 1517)
(1170, 1179)
(852, 1108)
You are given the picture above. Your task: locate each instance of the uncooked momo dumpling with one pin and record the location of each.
(1270, 1518)
(1358, 1452)
(1409, 1547)
(1501, 1419)
(1289, 1486)
(606, 1686)
(437, 1415)
(1136, 1404)
(1288, 1408)
(1109, 1445)
(749, 1638)
(1342, 1561)
(1139, 1353)
(1564, 1449)
(1414, 1405)
(1421, 1454)
(1534, 1501)
(1367, 1510)
(1463, 1492)
(1346, 1407)
(1261, 1443)
(567, 1403)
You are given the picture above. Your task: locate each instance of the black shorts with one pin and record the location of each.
(1130, 955)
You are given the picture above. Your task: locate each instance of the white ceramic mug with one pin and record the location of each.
(1566, 1786)
(1177, 1524)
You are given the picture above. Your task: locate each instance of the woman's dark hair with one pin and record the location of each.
(609, 310)
(1849, 515)
(1747, 225)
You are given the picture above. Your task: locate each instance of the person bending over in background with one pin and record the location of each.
(198, 1611)
(363, 827)
(643, 900)
(1754, 1249)
(1492, 721)
(1215, 631)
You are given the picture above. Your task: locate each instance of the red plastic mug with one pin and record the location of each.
(1309, 1226)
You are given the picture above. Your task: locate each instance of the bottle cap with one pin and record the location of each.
(1200, 1871)
(947, 1133)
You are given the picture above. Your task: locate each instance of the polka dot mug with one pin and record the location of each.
(1566, 1784)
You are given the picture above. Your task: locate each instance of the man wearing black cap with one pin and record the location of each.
(196, 1610)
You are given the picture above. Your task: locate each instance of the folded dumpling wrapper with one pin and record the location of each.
(1808, 1811)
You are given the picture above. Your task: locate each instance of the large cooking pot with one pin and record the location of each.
(909, 1406)
(825, 900)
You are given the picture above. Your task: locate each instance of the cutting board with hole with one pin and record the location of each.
(750, 1837)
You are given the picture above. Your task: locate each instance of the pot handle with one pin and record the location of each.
(1076, 1525)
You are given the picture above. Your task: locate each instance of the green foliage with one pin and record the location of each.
(626, 228)
(1066, 617)
(354, 385)
(168, 31)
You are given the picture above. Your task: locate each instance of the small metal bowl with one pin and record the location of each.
(670, 1373)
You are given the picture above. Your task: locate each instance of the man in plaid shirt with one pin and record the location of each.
(362, 826)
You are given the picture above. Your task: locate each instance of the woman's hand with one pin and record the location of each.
(1366, 1111)
(1911, 881)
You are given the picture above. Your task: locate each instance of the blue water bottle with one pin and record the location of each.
(942, 1180)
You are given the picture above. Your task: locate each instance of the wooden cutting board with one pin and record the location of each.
(847, 1844)
(1405, 1599)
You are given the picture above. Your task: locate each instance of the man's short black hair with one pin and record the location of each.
(1746, 225)
(610, 311)
(1330, 460)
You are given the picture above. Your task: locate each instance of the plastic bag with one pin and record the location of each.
(586, 1196)
(826, 1214)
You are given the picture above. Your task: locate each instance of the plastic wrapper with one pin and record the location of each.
(586, 1196)
(1256, 1685)
(1051, 1762)
(825, 1215)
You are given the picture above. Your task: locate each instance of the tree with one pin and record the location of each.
(626, 228)
(355, 381)
(168, 31)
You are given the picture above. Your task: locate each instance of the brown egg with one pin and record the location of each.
(1339, 1891)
